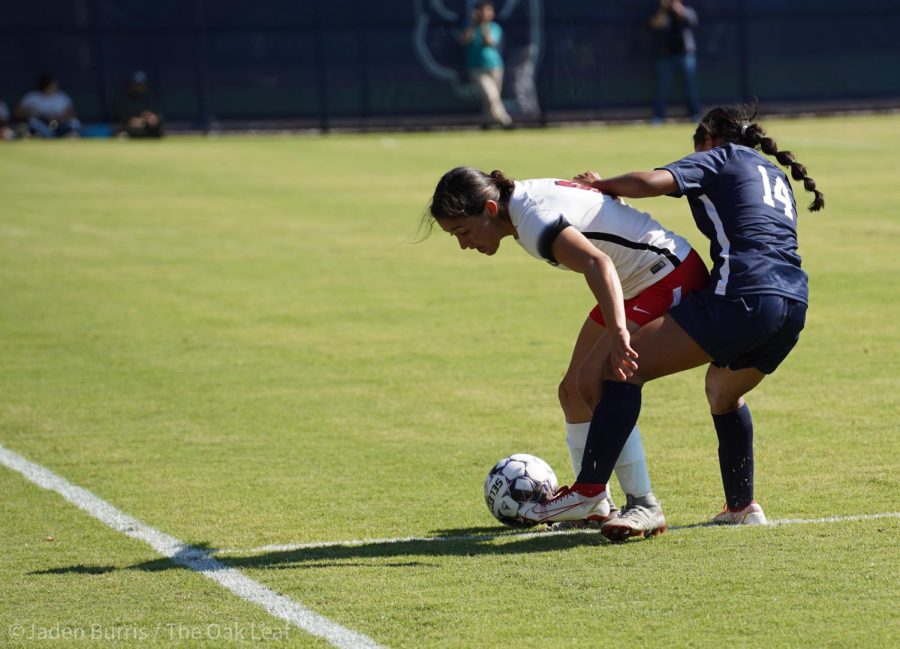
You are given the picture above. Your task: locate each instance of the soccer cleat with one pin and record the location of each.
(575, 503)
(641, 518)
(752, 514)
(592, 522)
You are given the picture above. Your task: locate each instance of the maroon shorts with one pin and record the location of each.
(653, 301)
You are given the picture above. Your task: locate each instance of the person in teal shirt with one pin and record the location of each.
(481, 42)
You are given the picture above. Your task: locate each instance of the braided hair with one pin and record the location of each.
(463, 191)
(735, 124)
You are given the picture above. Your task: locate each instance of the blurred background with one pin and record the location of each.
(334, 64)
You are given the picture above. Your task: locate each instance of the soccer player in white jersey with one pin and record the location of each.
(635, 268)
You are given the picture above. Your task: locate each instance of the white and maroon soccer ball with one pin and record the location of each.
(517, 479)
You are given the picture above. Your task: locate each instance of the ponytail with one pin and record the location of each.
(735, 124)
(505, 186)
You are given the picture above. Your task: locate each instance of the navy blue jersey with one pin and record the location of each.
(744, 205)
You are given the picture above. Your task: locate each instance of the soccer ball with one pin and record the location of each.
(517, 479)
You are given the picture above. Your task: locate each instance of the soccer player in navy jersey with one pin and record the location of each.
(743, 323)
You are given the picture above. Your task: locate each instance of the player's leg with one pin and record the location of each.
(573, 406)
(663, 348)
(642, 516)
(725, 390)
(592, 340)
(588, 362)
(763, 330)
(586, 368)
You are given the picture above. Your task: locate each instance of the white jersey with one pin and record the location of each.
(642, 250)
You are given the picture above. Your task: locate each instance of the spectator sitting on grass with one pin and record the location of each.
(47, 110)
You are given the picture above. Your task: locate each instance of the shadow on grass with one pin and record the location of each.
(468, 542)
(443, 546)
(80, 569)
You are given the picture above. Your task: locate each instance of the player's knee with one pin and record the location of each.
(589, 389)
(721, 400)
(568, 396)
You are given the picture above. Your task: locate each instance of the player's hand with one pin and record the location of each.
(622, 358)
(587, 178)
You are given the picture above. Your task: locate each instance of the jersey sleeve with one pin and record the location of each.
(538, 230)
(697, 171)
(548, 236)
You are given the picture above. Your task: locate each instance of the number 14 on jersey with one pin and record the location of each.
(782, 195)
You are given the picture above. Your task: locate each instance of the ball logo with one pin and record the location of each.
(495, 488)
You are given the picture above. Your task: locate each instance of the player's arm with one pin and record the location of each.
(637, 184)
(574, 251)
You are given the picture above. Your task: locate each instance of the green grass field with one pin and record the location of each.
(235, 341)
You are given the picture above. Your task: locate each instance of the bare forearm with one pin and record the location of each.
(574, 251)
(638, 184)
(602, 279)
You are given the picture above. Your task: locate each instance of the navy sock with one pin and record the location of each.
(735, 431)
(614, 418)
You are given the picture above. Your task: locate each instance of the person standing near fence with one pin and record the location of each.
(481, 43)
(673, 25)
(137, 109)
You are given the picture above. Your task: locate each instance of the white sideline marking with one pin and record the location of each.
(524, 535)
(835, 519)
(188, 556)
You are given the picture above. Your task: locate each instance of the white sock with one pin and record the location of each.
(576, 440)
(631, 467)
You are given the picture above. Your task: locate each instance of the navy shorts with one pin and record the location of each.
(742, 331)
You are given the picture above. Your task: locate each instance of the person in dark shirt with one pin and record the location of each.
(743, 324)
(137, 110)
(673, 25)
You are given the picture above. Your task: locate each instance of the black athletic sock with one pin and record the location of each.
(735, 431)
(612, 423)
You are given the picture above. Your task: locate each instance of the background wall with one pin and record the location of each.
(327, 63)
